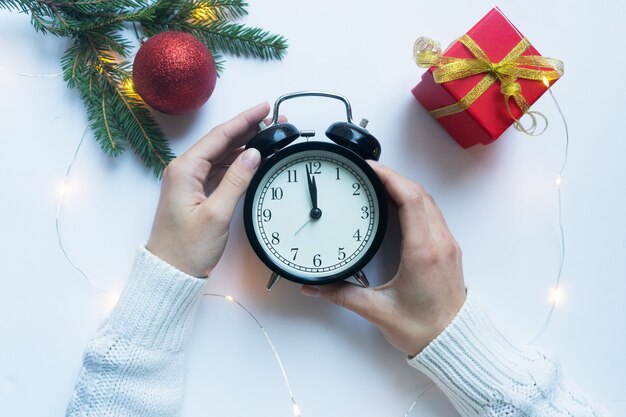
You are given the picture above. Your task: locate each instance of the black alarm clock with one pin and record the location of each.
(315, 212)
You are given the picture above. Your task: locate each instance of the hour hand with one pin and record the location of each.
(313, 192)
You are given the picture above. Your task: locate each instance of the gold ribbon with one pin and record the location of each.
(511, 68)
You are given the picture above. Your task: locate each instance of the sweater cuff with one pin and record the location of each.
(477, 367)
(156, 307)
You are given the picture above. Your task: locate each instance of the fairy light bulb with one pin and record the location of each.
(546, 82)
(110, 299)
(129, 85)
(558, 180)
(229, 298)
(557, 296)
(63, 190)
(203, 13)
(296, 410)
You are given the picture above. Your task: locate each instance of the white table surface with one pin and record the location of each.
(500, 202)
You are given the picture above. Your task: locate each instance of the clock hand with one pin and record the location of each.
(315, 213)
(309, 183)
(302, 227)
(314, 194)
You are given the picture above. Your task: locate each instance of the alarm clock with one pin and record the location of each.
(315, 212)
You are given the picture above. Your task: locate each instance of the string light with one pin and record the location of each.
(57, 218)
(420, 395)
(110, 299)
(203, 13)
(63, 190)
(25, 74)
(558, 181)
(129, 85)
(557, 296)
(295, 408)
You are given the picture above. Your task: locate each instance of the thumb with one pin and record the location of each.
(235, 182)
(365, 302)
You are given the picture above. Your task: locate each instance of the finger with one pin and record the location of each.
(209, 173)
(219, 170)
(235, 182)
(401, 189)
(214, 180)
(230, 135)
(412, 200)
(438, 226)
(225, 162)
(229, 158)
(366, 302)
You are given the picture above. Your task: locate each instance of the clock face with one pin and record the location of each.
(315, 213)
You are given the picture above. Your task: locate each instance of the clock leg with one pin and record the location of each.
(273, 280)
(362, 279)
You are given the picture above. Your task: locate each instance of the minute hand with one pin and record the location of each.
(315, 213)
(312, 187)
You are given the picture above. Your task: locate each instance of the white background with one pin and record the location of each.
(500, 201)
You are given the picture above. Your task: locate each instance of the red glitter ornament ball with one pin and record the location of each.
(174, 72)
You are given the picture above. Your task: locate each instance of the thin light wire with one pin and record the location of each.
(556, 288)
(25, 74)
(557, 284)
(269, 341)
(58, 215)
(419, 396)
(65, 182)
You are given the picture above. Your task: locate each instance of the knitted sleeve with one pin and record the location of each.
(134, 365)
(483, 374)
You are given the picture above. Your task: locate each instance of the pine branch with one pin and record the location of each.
(219, 61)
(115, 112)
(19, 6)
(231, 38)
(87, 7)
(68, 17)
(207, 20)
(82, 70)
(173, 11)
(219, 10)
(132, 117)
(41, 13)
(96, 64)
(239, 40)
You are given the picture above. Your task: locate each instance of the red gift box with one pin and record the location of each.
(488, 115)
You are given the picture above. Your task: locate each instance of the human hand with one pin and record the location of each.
(427, 292)
(199, 193)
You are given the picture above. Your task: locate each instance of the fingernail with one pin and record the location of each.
(310, 291)
(251, 158)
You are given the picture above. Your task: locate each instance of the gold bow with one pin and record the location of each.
(512, 67)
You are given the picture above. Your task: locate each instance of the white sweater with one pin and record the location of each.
(134, 366)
